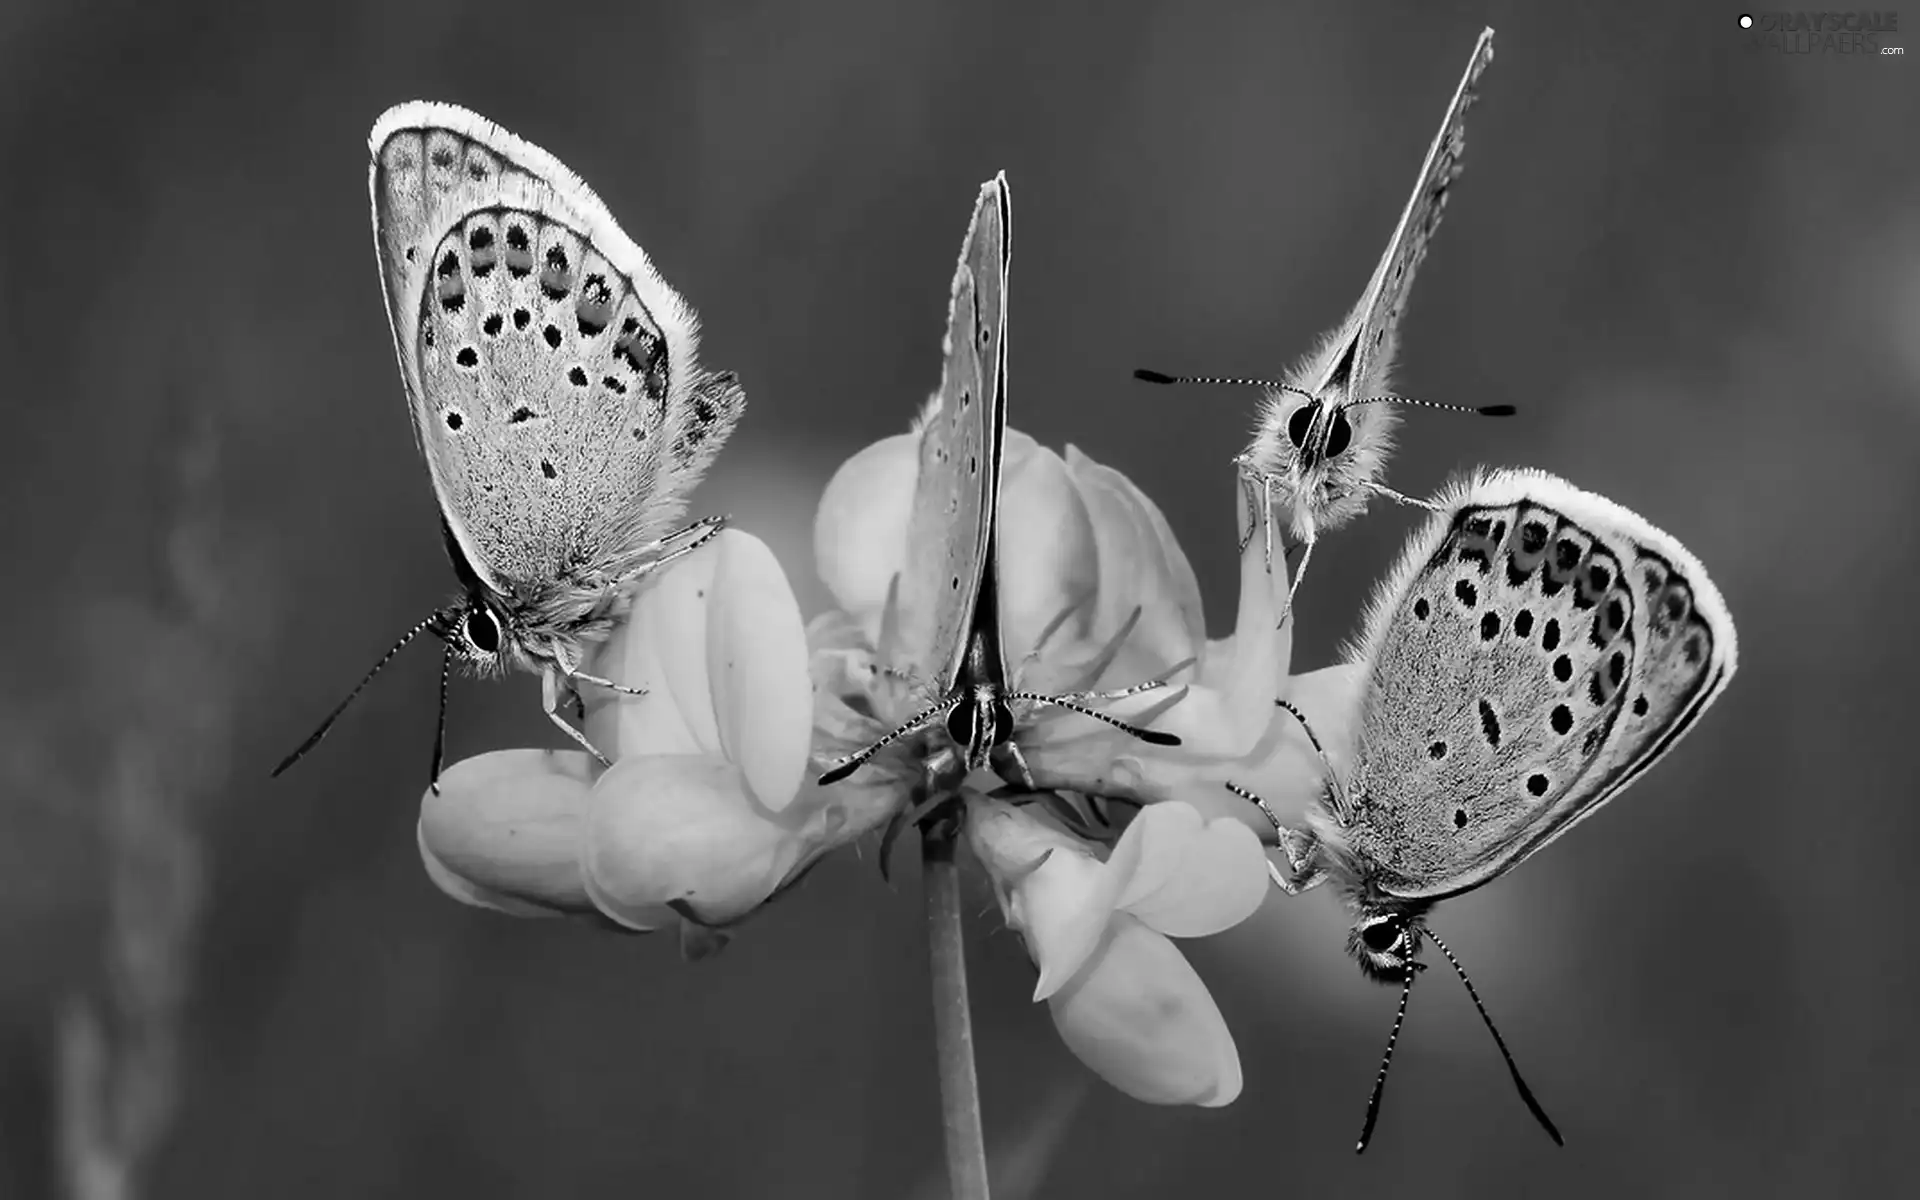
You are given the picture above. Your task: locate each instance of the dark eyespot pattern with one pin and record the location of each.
(1550, 635)
(522, 318)
(519, 252)
(1489, 725)
(577, 376)
(1459, 818)
(480, 242)
(1526, 555)
(552, 334)
(1480, 539)
(1536, 785)
(455, 420)
(1421, 609)
(491, 326)
(546, 468)
(1523, 623)
(1563, 668)
(1609, 621)
(1466, 593)
(1437, 751)
(1639, 706)
(1489, 626)
(556, 278)
(1561, 719)
(521, 415)
(468, 357)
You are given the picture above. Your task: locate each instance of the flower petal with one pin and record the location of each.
(1186, 876)
(504, 831)
(1055, 892)
(1048, 558)
(1285, 770)
(1251, 672)
(757, 669)
(1139, 1015)
(681, 830)
(860, 529)
(660, 645)
(1141, 565)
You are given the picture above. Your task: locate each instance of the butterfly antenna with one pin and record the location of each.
(1152, 737)
(1161, 377)
(1333, 775)
(437, 622)
(440, 733)
(1386, 1060)
(1526, 1094)
(920, 720)
(1485, 410)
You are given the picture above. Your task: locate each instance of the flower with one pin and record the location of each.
(1124, 999)
(1095, 594)
(707, 810)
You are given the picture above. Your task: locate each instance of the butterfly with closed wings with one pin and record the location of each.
(1325, 431)
(946, 601)
(1535, 650)
(555, 391)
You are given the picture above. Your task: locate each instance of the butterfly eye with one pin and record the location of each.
(1381, 936)
(1341, 435)
(1299, 423)
(483, 631)
(960, 724)
(1002, 723)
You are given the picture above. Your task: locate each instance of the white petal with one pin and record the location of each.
(1187, 877)
(661, 645)
(860, 530)
(1252, 674)
(503, 832)
(1139, 1015)
(681, 829)
(1057, 894)
(1141, 565)
(1048, 558)
(757, 667)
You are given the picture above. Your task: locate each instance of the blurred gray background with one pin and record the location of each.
(1695, 268)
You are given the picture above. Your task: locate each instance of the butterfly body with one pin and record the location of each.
(554, 386)
(1534, 652)
(1323, 433)
(946, 602)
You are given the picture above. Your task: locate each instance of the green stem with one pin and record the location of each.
(952, 1017)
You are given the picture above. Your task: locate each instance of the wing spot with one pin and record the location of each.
(491, 326)
(1421, 609)
(1597, 690)
(1489, 725)
(519, 252)
(552, 334)
(1610, 620)
(546, 468)
(1617, 667)
(613, 384)
(577, 376)
(1523, 623)
(556, 278)
(1563, 668)
(522, 318)
(954, 583)
(1561, 719)
(1466, 593)
(412, 253)
(1640, 706)
(1459, 818)
(1489, 626)
(521, 415)
(442, 156)
(455, 420)
(1536, 785)
(468, 357)
(1693, 650)
(595, 308)
(973, 465)
(1437, 751)
(1550, 635)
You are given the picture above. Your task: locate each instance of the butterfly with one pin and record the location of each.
(1324, 432)
(1535, 650)
(947, 599)
(555, 391)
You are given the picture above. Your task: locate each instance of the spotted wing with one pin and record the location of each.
(950, 539)
(551, 371)
(1502, 654)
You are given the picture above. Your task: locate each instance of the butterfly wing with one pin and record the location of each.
(1507, 656)
(551, 371)
(957, 495)
(1375, 322)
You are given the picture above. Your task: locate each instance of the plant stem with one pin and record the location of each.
(952, 1017)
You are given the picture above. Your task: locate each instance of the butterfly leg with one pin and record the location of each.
(1383, 490)
(550, 684)
(1301, 847)
(1305, 558)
